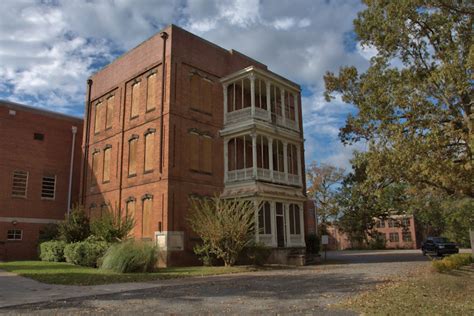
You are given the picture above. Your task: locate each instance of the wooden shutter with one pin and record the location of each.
(146, 219)
(97, 117)
(135, 100)
(194, 151)
(206, 100)
(106, 170)
(151, 92)
(132, 158)
(48, 187)
(95, 167)
(109, 112)
(206, 154)
(195, 101)
(149, 151)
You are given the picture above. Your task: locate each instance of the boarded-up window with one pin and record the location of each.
(106, 170)
(132, 156)
(20, 183)
(48, 187)
(95, 167)
(135, 100)
(147, 227)
(206, 154)
(149, 150)
(151, 98)
(110, 111)
(98, 117)
(201, 93)
(130, 208)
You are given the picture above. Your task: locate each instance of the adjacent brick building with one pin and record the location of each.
(35, 174)
(178, 117)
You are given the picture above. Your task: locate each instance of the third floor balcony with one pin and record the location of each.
(257, 94)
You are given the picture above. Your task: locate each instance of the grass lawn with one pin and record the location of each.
(429, 293)
(69, 274)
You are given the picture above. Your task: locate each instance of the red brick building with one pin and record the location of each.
(36, 177)
(179, 117)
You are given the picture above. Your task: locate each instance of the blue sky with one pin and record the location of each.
(48, 49)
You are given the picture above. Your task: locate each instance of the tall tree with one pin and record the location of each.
(415, 101)
(324, 181)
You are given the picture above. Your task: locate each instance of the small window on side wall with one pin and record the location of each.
(14, 234)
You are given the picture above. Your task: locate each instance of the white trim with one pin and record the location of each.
(30, 220)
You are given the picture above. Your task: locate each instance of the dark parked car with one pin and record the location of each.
(439, 246)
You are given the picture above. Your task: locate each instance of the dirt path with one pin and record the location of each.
(307, 290)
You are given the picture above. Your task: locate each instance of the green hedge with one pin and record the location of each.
(453, 262)
(130, 256)
(52, 250)
(86, 253)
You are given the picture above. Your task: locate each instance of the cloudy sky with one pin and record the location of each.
(48, 48)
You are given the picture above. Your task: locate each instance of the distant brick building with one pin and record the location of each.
(398, 232)
(35, 173)
(179, 117)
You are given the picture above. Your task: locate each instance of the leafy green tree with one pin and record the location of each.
(323, 183)
(415, 101)
(76, 226)
(226, 226)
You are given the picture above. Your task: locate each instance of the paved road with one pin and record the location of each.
(306, 290)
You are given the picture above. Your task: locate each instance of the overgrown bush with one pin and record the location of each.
(257, 253)
(225, 225)
(205, 255)
(112, 227)
(130, 256)
(86, 253)
(52, 250)
(76, 226)
(376, 243)
(48, 232)
(312, 244)
(452, 262)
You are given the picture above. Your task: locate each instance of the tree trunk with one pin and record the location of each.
(471, 232)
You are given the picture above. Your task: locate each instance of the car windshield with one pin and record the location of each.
(440, 239)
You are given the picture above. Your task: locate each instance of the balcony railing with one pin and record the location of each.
(244, 114)
(264, 175)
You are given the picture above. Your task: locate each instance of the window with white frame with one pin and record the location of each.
(48, 187)
(14, 234)
(394, 237)
(264, 219)
(406, 236)
(295, 225)
(20, 183)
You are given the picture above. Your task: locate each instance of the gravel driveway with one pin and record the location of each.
(305, 290)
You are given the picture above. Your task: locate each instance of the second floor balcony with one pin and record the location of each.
(258, 157)
(256, 94)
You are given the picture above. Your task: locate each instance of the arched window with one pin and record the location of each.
(264, 219)
(295, 225)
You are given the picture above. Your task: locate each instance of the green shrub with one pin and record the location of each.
(130, 256)
(86, 253)
(258, 253)
(312, 244)
(76, 226)
(203, 251)
(52, 250)
(111, 227)
(48, 232)
(453, 262)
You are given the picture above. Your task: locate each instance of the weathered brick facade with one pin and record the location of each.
(49, 155)
(156, 95)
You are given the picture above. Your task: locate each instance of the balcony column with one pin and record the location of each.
(285, 160)
(269, 106)
(297, 117)
(283, 106)
(252, 94)
(226, 158)
(257, 224)
(274, 225)
(301, 219)
(270, 157)
(298, 161)
(254, 155)
(225, 102)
